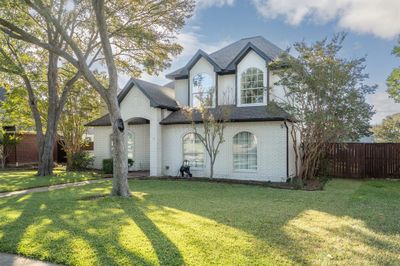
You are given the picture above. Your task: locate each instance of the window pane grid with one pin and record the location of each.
(193, 150)
(252, 86)
(244, 151)
(203, 90)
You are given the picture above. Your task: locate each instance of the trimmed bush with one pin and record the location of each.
(80, 161)
(108, 165)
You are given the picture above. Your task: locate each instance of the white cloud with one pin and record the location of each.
(202, 4)
(383, 105)
(378, 17)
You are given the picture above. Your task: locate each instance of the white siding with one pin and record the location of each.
(202, 66)
(271, 151)
(252, 59)
(141, 144)
(182, 91)
(226, 89)
(277, 92)
(135, 104)
(101, 145)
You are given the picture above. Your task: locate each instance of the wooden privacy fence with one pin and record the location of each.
(363, 160)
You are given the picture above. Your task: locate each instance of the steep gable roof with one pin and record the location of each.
(159, 96)
(225, 57)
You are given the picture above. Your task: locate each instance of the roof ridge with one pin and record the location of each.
(243, 39)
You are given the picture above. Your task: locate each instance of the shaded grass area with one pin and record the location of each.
(23, 179)
(198, 223)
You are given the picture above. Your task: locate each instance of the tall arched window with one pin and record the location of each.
(252, 86)
(244, 151)
(130, 144)
(193, 150)
(203, 90)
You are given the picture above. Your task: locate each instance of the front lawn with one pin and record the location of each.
(199, 223)
(23, 179)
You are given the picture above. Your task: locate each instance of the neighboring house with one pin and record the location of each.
(160, 137)
(26, 151)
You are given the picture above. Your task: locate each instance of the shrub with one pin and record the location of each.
(108, 165)
(81, 160)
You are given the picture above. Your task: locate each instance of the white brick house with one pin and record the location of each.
(159, 137)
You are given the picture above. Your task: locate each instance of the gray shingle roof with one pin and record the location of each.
(159, 96)
(226, 57)
(105, 121)
(102, 121)
(236, 114)
(170, 85)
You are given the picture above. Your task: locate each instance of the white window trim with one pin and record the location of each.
(191, 83)
(253, 171)
(238, 89)
(133, 143)
(194, 168)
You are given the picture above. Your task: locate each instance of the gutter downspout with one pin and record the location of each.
(287, 149)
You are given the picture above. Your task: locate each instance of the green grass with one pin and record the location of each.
(19, 179)
(200, 223)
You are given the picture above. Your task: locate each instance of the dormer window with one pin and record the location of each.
(252, 86)
(203, 90)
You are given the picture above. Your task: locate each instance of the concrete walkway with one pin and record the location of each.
(15, 260)
(61, 186)
(50, 188)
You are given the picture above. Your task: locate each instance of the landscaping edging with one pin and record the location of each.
(279, 185)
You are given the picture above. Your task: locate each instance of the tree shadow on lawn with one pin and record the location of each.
(49, 227)
(12, 181)
(284, 219)
(300, 227)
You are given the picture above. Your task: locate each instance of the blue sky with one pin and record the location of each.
(372, 31)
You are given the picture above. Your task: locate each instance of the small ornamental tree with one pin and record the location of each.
(388, 130)
(83, 105)
(325, 95)
(212, 124)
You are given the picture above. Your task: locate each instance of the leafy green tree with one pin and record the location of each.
(325, 95)
(41, 72)
(388, 130)
(12, 116)
(83, 105)
(393, 81)
(126, 36)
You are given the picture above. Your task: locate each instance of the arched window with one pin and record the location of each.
(244, 151)
(252, 86)
(193, 150)
(130, 144)
(203, 90)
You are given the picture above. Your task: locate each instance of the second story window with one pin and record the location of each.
(252, 86)
(203, 90)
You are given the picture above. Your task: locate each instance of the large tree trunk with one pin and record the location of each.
(120, 157)
(46, 162)
(2, 157)
(46, 152)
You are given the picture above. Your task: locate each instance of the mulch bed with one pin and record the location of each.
(279, 185)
